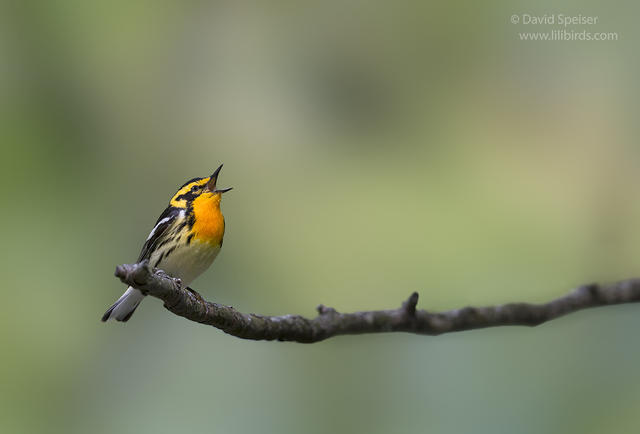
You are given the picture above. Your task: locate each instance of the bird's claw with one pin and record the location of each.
(196, 294)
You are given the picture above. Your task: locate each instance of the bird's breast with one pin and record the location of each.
(188, 261)
(208, 224)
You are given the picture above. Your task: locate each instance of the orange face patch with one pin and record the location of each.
(182, 203)
(209, 222)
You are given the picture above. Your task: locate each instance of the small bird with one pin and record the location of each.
(184, 242)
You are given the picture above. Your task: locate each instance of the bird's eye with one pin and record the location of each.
(194, 188)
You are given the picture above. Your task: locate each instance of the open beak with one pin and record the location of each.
(211, 185)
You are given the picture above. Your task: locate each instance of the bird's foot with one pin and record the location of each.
(196, 294)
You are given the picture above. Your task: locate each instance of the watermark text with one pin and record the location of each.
(561, 27)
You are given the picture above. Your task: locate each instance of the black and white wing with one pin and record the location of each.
(161, 233)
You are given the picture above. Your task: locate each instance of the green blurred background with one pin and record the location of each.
(375, 148)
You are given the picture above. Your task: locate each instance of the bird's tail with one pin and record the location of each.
(124, 307)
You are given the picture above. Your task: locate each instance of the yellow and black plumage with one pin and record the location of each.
(184, 241)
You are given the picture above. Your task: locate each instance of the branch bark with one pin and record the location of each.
(189, 304)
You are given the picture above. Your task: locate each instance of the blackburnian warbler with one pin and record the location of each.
(184, 242)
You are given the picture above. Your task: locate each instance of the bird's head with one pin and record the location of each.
(202, 189)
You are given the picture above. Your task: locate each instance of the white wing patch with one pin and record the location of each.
(153, 231)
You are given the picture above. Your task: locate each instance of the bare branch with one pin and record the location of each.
(189, 304)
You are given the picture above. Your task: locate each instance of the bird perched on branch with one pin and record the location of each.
(184, 242)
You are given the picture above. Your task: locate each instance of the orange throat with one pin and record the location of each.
(209, 222)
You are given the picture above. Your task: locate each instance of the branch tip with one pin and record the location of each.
(325, 310)
(409, 306)
(120, 272)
